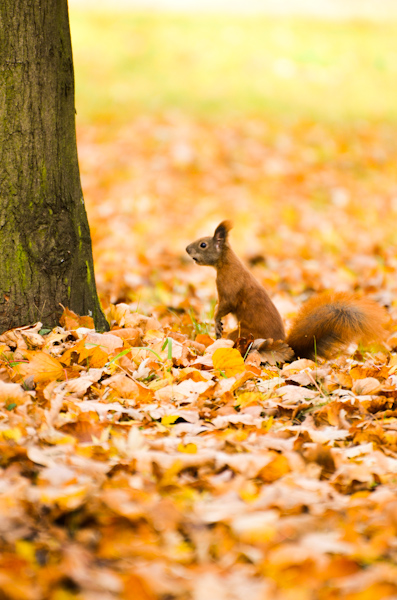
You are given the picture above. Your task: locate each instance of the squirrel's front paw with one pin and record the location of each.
(218, 329)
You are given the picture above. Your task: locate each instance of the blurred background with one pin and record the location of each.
(279, 116)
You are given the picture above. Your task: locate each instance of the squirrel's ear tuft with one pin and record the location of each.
(222, 231)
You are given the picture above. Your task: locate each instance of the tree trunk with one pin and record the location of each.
(45, 244)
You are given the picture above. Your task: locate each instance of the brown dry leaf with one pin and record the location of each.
(228, 361)
(123, 386)
(131, 334)
(243, 345)
(273, 351)
(107, 342)
(69, 320)
(19, 336)
(309, 376)
(12, 393)
(254, 359)
(221, 343)
(122, 316)
(85, 430)
(292, 394)
(368, 385)
(33, 340)
(369, 370)
(82, 381)
(298, 365)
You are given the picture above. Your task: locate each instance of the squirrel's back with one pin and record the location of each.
(330, 321)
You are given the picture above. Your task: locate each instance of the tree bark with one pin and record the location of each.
(45, 244)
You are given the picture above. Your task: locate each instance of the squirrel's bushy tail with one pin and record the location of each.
(329, 322)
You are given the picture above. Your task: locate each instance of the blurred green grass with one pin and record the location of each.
(206, 65)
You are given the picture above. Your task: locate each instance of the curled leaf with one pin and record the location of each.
(368, 385)
(273, 351)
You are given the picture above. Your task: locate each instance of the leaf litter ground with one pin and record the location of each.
(150, 463)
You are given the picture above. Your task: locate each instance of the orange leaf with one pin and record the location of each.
(277, 468)
(86, 321)
(93, 356)
(229, 361)
(136, 588)
(131, 334)
(69, 320)
(67, 356)
(203, 338)
(43, 367)
(96, 358)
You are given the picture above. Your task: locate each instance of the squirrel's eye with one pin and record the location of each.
(203, 245)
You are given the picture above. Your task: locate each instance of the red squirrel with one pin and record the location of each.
(325, 324)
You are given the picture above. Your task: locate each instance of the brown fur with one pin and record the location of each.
(325, 324)
(328, 322)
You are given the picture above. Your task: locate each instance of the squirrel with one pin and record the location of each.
(324, 325)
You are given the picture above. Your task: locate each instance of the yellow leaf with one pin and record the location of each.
(14, 434)
(153, 335)
(228, 361)
(267, 425)
(249, 492)
(188, 449)
(247, 398)
(170, 474)
(168, 420)
(61, 439)
(26, 550)
(67, 498)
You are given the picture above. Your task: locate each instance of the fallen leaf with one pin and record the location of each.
(43, 367)
(228, 361)
(368, 385)
(69, 320)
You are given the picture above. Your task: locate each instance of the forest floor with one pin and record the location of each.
(149, 463)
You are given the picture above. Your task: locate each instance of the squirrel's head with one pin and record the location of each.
(208, 250)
